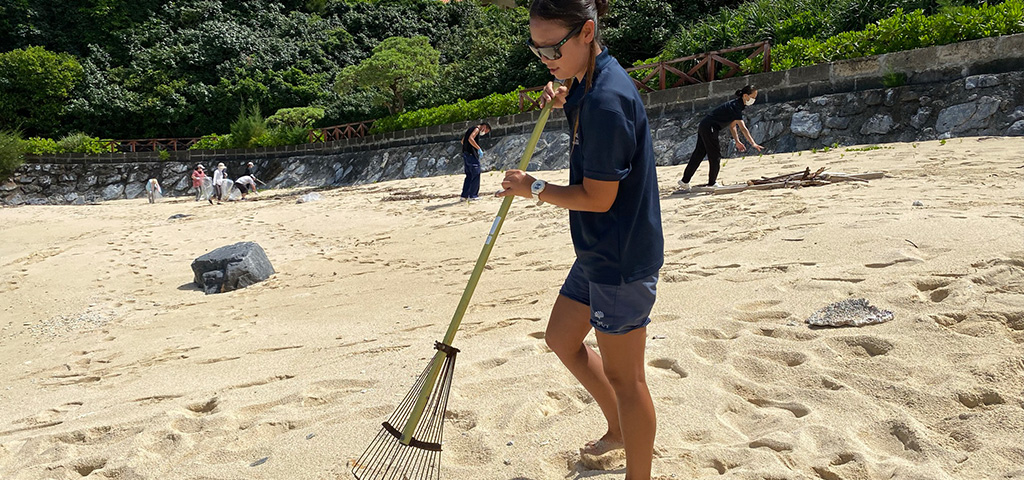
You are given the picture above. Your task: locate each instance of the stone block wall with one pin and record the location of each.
(964, 89)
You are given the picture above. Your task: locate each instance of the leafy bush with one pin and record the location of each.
(905, 31)
(783, 20)
(287, 135)
(41, 146)
(493, 105)
(81, 143)
(12, 152)
(249, 129)
(894, 79)
(296, 117)
(212, 142)
(35, 88)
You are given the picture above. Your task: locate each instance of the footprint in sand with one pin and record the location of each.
(671, 365)
(761, 316)
(932, 288)
(154, 399)
(713, 334)
(490, 363)
(861, 345)
(463, 420)
(979, 398)
(784, 358)
(904, 258)
(798, 410)
(567, 401)
(783, 333)
(756, 305)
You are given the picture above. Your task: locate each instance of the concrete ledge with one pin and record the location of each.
(966, 53)
(858, 67)
(1010, 46)
(813, 73)
(770, 80)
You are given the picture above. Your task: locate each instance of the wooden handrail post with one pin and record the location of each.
(767, 56)
(661, 73)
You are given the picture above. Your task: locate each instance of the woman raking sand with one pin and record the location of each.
(615, 221)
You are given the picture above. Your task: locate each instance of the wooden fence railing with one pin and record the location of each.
(339, 132)
(325, 134)
(698, 68)
(150, 144)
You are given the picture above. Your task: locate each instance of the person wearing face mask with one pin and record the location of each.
(614, 216)
(471, 154)
(728, 115)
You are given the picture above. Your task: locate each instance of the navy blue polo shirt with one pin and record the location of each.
(726, 113)
(613, 143)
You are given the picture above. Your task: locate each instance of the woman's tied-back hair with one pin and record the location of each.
(572, 13)
(747, 90)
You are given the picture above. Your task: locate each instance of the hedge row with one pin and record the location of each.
(493, 105)
(905, 31)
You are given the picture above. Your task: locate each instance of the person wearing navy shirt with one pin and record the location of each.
(614, 219)
(471, 154)
(728, 115)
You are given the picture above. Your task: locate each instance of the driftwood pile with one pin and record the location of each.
(806, 178)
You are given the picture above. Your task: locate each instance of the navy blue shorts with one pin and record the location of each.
(614, 309)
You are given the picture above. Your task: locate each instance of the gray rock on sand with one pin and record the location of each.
(852, 311)
(232, 267)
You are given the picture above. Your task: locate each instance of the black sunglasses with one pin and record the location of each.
(553, 52)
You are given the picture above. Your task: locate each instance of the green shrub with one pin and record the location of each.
(36, 87)
(249, 129)
(783, 20)
(12, 152)
(212, 142)
(81, 143)
(287, 135)
(493, 105)
(905, 31)
(296, 117)
(894, 79)
(41, 146)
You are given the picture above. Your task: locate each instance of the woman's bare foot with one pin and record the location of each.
(603, 445)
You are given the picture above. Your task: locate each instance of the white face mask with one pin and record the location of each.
(748, 102)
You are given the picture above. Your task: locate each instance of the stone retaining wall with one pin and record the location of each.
(964, 89)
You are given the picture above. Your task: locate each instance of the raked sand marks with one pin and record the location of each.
(292, 376)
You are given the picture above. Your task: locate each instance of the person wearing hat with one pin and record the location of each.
(218, 177)
(250, 170)
(153, 190)
(197, 181)
(246, 184)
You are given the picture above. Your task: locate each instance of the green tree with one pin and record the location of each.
(12, 152)
(296, 117)
(399, 66)
(35, 87)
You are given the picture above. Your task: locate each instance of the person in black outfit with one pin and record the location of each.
(728, 115)
(471, 153)
(250, 170)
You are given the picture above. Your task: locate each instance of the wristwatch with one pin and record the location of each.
(537, 188)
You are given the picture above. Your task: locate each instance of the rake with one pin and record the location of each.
(408, 446)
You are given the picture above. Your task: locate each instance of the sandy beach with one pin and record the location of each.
(113, 364)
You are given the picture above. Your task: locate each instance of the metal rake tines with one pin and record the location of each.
(388, 457)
